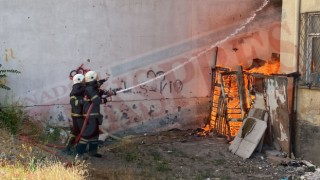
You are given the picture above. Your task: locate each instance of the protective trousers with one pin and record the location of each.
(77, 122)
(93, 147)
(90, 136)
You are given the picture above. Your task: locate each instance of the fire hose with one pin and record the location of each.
(46, 148)
(49, 150)
(85, 122)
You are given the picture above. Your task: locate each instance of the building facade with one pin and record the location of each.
(300, 52)
(160, 51)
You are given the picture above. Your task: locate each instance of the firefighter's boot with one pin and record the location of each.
(93, 149)
(81, 149)
(69, 144)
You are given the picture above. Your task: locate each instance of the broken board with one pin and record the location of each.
(244, 147)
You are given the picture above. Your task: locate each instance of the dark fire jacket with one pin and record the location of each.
(76, 100)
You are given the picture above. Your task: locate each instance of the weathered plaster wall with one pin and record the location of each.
(134, 41)
(258, 40)
(290, 30)
(308, 125)
(308, 118)
(289, 36)
(310, 5)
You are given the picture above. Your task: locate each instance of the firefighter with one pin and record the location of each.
(76, 102)
(91, 133)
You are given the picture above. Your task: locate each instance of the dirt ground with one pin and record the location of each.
(180, 155)
(173, 154)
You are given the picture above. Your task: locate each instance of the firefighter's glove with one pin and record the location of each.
(104, 100)
(114, 92)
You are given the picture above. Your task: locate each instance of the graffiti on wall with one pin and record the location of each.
(144, 103)
(267, 41)
(9, 54)
(122, 113)
(156, 86)
(3, 71)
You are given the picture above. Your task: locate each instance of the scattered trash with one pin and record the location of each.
(273, 153)
(309, 167)
(311, 175)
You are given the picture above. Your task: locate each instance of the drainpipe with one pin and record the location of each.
(297, 40)
(293, 126)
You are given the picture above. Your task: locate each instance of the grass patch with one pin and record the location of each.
(162, 166)
(50, 134)
(219, 162)
(22, 160)
(210, 174)
(49, 170)
(156, 155)
(203, 175)
(15, 119)
(130, 156)
(12, 117)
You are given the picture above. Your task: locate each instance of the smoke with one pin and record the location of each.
(195, 57)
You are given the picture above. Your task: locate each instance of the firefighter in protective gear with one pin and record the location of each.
(91, 133)
(76, 102)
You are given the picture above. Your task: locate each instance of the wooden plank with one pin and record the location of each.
(227, 131)
(241, 91)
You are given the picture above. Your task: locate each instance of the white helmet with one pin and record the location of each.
(78, 78)
(90, 76)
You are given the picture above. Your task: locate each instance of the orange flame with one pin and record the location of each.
(270, 67)
(233, 104)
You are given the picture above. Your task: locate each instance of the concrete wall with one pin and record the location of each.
(308, 125)
(134, 41)
(308, 110)
(290, 30)
(289, 36)
(309, 6)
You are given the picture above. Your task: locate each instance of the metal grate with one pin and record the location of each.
(309, 51)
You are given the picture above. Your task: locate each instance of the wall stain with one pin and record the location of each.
(135, 119)
(151, 110)
(179, 109)
(124, 116)
(60, 117)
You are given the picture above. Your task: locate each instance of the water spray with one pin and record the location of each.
(251, 18)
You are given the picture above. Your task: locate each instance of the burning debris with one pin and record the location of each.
(258, 94)
(264, 67)
(251, 108)
(234, 94)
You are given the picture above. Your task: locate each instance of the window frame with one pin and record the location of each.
(306, 51)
